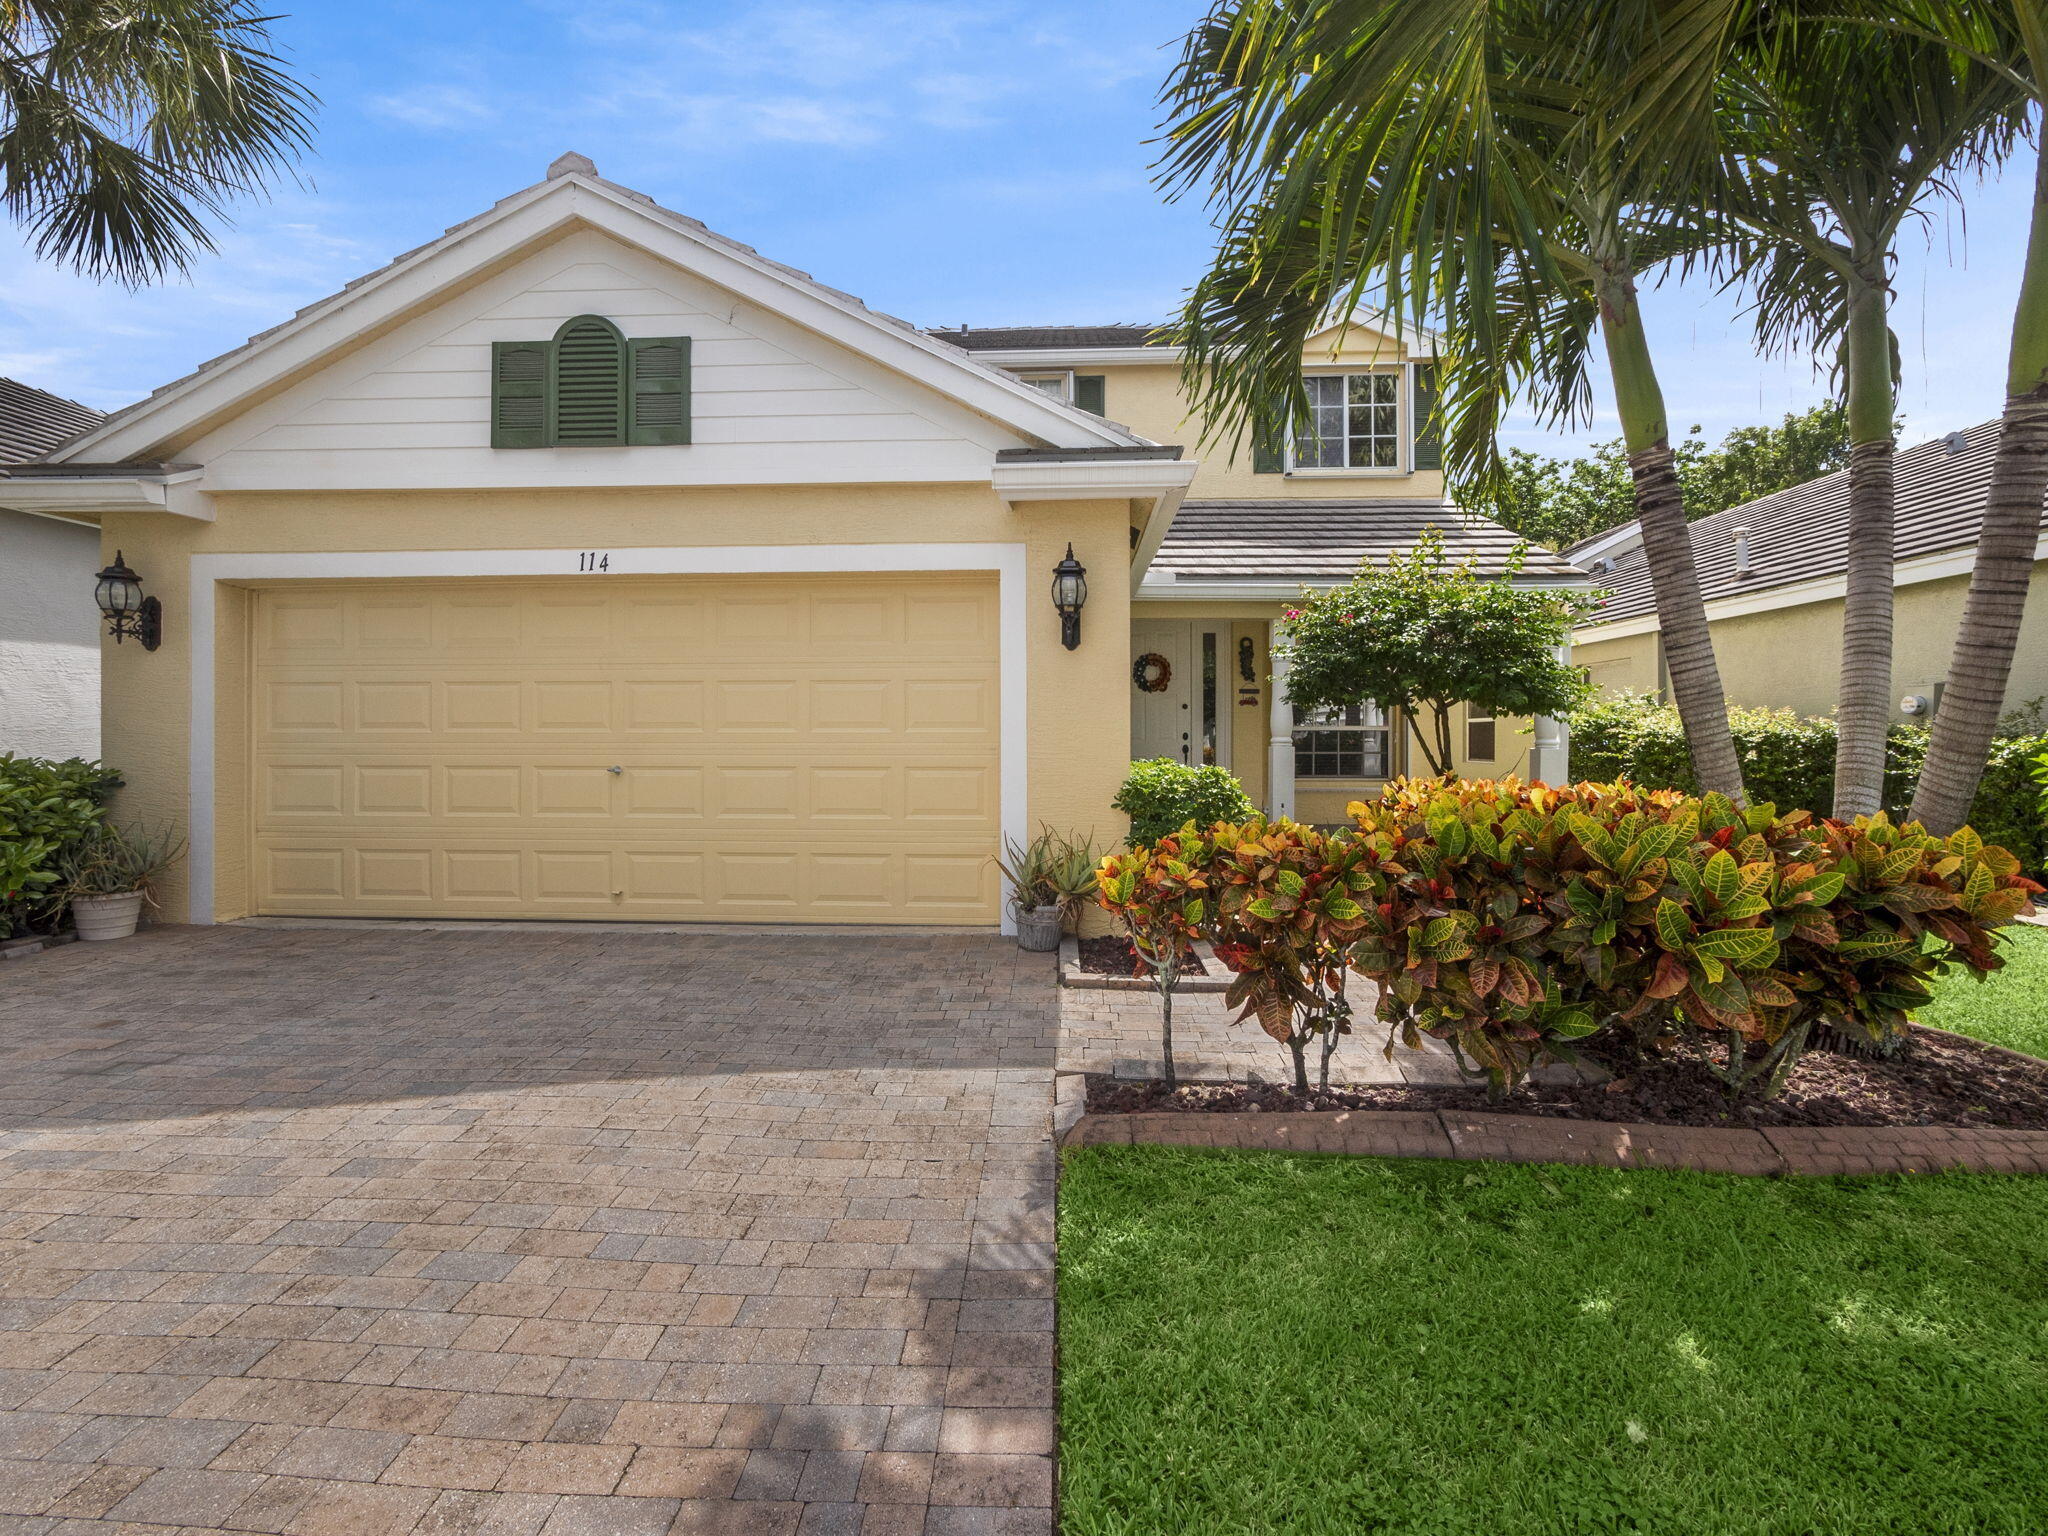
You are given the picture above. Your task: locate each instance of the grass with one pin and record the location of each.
(2008, 1007)
(1261, 1343)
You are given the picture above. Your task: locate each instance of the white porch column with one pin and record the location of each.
(1550, 758)
(1280, 753)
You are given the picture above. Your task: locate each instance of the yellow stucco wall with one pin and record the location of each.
(1790, 658)
(1148, 398)
(1078, 712)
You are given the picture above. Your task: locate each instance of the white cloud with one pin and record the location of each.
(437, 107)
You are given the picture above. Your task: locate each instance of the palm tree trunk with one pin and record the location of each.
(1863, 707)
(1990, 631)
(1667, 546)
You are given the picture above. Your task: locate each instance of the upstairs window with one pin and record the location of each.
(1083, 389)
(590, 387)
(1354, 422)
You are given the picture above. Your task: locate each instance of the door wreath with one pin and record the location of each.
(1152, 672)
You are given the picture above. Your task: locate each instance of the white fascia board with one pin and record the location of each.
(1072, 357)
(1152, 533)
(427, 275)
(1907, 573)
(1613, 539)
(97, 495)
(1086, 480)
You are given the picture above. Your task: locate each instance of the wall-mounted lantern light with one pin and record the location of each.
(119, 594)
(1069, 593)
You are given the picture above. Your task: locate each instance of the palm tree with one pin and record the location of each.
(1835, 136)
(2010, 36)
(1472, 163)
(126, 125)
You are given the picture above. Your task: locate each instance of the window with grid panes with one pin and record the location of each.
(1354, 422)
(1347, 743)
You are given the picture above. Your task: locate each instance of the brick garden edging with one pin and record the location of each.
(1594, 1143)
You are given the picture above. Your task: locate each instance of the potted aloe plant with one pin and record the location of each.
(107, 877)
(1050, 877)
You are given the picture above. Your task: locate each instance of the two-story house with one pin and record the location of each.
(1259, 523)
(585, 563)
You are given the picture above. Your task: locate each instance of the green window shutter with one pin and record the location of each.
(1428, 428)
(520, 375)
(1091, 392)
(590, 384)
(1269, 455)
(658, 386)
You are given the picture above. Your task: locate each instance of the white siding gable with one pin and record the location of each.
(772, 402)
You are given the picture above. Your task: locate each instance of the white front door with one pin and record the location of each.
(1162, 716)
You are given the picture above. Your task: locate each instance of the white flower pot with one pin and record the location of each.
(1038, 928)
(106, 917)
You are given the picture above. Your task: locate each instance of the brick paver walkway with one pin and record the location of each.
(350, 1232)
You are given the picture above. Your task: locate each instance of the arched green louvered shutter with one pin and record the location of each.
(520, 376)
(658, 388)
(1429, 434)
(590, 384)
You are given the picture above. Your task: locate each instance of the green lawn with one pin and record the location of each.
(1257, 1342)
(2008, 1008)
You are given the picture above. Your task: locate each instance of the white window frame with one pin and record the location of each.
(1384, 729)
(1038, 378)
(1404, 415)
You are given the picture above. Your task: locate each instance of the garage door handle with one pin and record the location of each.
(615, 768)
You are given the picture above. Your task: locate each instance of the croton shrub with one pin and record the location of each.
(1517, 919)
(1159, 892)
(1513, 921)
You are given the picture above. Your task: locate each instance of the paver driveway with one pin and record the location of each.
(343, 1232)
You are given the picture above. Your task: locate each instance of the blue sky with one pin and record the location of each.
(948, 162)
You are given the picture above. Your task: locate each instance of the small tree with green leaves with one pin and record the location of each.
(1422, 635)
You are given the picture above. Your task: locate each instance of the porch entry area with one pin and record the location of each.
(1181, 693)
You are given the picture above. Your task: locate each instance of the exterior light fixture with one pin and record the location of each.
(119, 594)
(1069, 593)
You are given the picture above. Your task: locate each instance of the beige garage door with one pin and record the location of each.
(816, 749)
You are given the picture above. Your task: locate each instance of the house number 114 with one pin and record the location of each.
(593, 560)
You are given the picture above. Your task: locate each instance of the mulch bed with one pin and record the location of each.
(1937, 1079)
(1113, 956)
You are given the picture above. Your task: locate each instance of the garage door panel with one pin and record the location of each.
(815, 748)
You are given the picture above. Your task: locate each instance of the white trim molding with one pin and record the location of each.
(73, 496)
(1797, 594)
(1005, 561)
(1092, 479)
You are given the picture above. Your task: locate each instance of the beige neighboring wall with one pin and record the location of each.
(1790, 658)
(1078, 709)
(1147, 398)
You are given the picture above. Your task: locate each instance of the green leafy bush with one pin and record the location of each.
(1789, 760)
(1162, 796)
(1513, 920)
(47, 810)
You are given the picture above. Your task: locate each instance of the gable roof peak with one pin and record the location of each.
(571, 164)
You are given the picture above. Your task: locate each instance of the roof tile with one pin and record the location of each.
(1321, 541)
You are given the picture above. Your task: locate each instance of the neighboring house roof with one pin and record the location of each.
(1801, 534)
(1017, 337)
(1325, 541)
(573, 193)
(33, 421)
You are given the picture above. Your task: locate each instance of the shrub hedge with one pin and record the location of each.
(1161, 795)
(1512, 920)
(47, 809)
(1789, 760)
